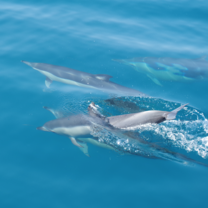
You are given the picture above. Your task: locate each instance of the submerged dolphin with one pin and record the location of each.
(79, 127)
(170, 69)
(81, 79)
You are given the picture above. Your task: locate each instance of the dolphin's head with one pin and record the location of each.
(43, 128)
(33, 65)
(52, 126)
(28, 63)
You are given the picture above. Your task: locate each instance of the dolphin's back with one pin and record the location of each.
(87, 79)
(135, 119)
(60, 71)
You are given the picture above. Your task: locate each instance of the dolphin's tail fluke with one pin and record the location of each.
(172, 115)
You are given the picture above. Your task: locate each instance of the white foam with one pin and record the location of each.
(189, 135)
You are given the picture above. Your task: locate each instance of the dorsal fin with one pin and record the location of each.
(104, 77)
(57, 114)
(203, 57)
(172, 115)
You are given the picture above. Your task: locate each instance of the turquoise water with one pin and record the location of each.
(40, 169)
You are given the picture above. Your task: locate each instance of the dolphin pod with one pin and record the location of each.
(79, 127)
(169, 69)
(82, 79)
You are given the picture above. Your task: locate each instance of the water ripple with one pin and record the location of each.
(116, 30)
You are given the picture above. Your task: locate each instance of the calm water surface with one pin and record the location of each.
(40, 169)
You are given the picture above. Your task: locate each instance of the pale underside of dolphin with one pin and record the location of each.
(169, 69)
(82, 79)
(79, 127)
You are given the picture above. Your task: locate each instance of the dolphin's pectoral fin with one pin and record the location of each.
(57, 114)
(156, 81)
(48, 82)
(84, 148)
(172, 115)
(103, 77)
(74, 142)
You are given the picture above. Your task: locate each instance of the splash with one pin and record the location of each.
(188, 132)
(189, 135)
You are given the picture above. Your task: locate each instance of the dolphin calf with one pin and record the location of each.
(170, 69)
(79, 127)
(81, 79)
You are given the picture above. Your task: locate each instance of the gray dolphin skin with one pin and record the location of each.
(136, 119)
(169, 69)
(81, 79)
(78, 127)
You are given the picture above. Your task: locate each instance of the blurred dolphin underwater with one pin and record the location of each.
(169, 69)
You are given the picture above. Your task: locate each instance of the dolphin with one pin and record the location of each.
(79, 127)
(170, 69)
(81, 79)
(135, 119)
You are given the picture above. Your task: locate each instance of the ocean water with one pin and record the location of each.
(41, 169)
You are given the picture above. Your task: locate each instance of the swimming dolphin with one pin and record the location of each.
(79, 127)
(81, 79)
(170, 69)
(136, 119)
